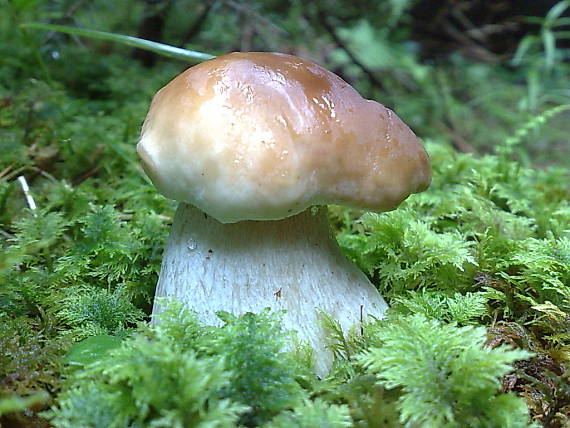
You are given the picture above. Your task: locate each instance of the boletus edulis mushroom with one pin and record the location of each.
(254, 146)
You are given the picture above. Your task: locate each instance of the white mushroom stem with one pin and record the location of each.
(293, 264)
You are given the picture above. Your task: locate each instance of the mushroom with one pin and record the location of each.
(254, 145)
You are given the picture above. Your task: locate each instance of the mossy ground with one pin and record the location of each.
(476, 269)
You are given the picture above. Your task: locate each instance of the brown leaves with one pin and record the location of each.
(543, 381)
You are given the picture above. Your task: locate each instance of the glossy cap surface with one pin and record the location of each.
(263, 136)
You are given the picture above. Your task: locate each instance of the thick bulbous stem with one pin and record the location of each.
(292, 264)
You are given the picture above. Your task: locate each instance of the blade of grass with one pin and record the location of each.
(158, 48)
(556, 11)
(524, 47)
(549, 42)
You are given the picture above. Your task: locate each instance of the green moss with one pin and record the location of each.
(486, 246)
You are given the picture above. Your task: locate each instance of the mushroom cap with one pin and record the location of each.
(263, 136)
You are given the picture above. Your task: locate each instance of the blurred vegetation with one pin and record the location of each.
(476, 269)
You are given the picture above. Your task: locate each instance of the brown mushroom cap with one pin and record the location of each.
(263, 136)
